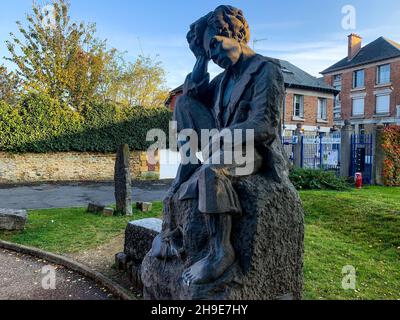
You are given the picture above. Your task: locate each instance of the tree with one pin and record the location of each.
(58, 56)
(9, 86)
(141, 83)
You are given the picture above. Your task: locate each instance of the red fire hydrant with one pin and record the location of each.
(359, 180)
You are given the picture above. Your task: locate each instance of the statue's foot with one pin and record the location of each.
(211, 267)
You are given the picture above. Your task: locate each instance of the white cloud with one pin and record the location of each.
(282, 25)
(312, 57)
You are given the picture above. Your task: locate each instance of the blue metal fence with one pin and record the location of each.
(321, 152)
(362, 156)
(289, 144)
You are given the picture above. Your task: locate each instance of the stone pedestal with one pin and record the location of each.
(268, 241)
(139, 236)
(11, 220)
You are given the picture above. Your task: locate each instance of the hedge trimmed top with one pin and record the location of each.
(40, 124)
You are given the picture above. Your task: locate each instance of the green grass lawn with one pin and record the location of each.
(72, 230)
(360, 228)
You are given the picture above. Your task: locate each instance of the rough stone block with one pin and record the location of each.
(123, 181)
(11, 220)
(108, 212)
(139, 236)
(268, 242)
(144, 206)
(121, 261)
(95, 208)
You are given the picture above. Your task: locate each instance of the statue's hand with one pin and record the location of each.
(198, 50)
(195, 39)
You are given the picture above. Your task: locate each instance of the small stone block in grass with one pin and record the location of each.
(121, 261)
(95, 208)
(108, 212)
(144, 206)
(11, 219)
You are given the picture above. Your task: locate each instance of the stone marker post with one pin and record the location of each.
(345, 150)
(298, 146)
(123, 182)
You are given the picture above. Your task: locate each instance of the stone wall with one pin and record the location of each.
(69, 166)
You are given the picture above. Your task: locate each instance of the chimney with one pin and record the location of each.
(355, 42)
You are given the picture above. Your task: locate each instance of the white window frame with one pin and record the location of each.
(320, 114)
(355, 78)
(379, 81)
(379, 110)
(363, 107)
(301, 113)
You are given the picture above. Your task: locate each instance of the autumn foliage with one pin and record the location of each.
(64, 59)
(391, 146)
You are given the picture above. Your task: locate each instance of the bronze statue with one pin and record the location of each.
(246, 96)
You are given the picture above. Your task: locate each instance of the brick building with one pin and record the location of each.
(309, 101)
(369, 80)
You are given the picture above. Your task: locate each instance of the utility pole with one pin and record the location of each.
(258, 40)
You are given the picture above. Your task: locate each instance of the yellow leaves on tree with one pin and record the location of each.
(58, 56)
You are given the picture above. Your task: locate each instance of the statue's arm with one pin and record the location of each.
(264, 107)
(197, 84)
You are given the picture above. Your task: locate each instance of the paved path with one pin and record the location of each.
(49, 196)
(21, 279)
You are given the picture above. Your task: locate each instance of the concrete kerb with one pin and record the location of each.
(100, 279)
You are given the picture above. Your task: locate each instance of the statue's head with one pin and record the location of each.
(222, 32)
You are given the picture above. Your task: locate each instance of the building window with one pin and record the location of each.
(382, 104)
(298, 106)
(383, 74)
(358, 79)
(322, 109)
(358, 107)
(337, 82)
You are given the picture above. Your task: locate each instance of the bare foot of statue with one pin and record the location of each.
(221, 255)
(211, 267)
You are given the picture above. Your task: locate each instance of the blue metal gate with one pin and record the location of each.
(362, 156)
(289, 145)
(321, 152)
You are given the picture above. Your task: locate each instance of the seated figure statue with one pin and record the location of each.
(246, 96)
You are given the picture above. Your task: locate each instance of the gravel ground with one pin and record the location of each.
(21, 279)
(102, 260)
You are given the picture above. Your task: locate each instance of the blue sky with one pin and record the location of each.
(308, 33)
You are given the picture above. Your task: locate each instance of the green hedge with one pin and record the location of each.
(307, 179)
(40, 124)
